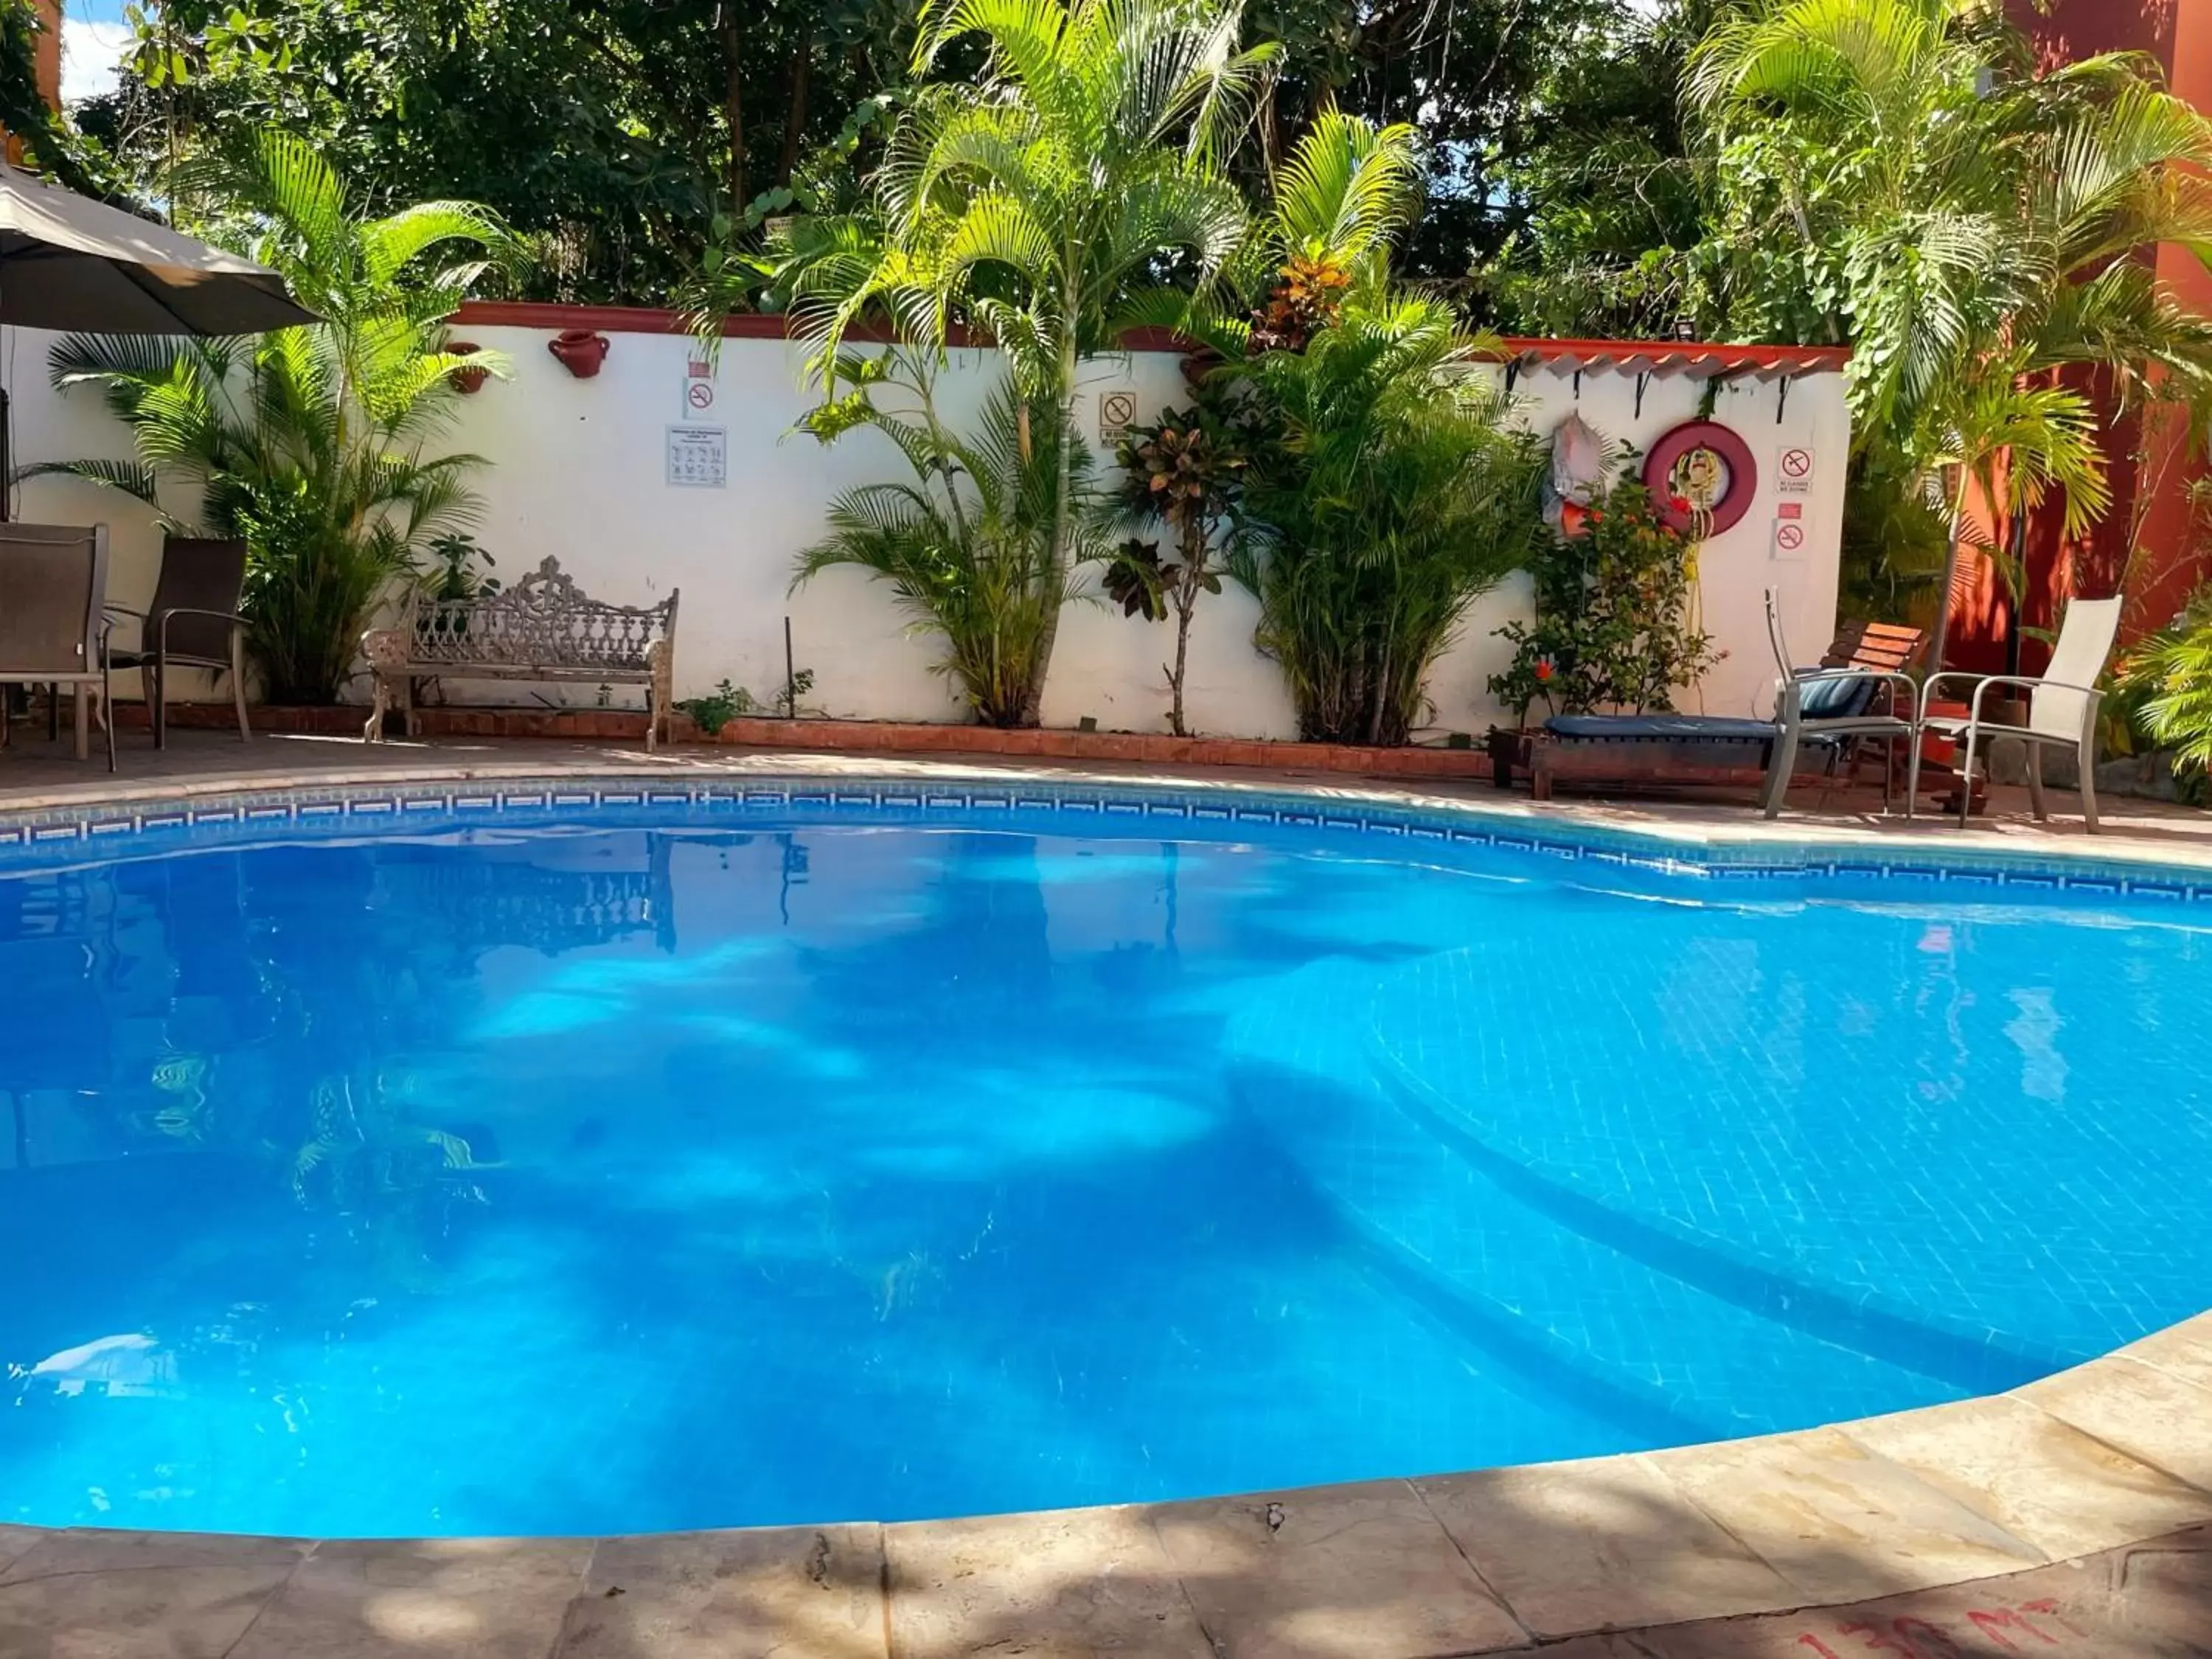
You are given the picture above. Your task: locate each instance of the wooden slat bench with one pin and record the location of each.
(543, 628)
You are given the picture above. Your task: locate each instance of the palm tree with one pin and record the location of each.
(310, 442)
(1397, 495)
(1041, 201)
(968, 544)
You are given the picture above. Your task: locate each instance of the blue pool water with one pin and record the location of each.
(601, 1177)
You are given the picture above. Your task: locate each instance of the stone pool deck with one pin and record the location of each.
(2070, 1516)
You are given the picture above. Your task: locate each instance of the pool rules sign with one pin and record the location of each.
(698, 445)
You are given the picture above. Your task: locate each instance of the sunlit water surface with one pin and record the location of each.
(621, 1180)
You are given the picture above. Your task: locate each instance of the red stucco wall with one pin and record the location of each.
(2145, 547)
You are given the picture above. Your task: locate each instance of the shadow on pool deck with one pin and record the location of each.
(1349, 1573)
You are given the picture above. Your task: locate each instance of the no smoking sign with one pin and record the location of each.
(1117, 413)
(1793, 470)
(1789, 538)
(698, 389)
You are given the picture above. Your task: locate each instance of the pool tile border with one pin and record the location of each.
(39, 836)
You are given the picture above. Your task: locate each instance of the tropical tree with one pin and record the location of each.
(310, 442)
(1042, 202)
(968, 544)
(1895, 174)
(1183, 474)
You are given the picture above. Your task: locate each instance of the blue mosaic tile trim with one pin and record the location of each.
(42, 839)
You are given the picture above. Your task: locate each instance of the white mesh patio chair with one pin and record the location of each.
(2061, 710)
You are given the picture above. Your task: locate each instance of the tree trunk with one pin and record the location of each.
(733, 106)
(1186, 602)
(794, 118)
(1940, 638)
(1033, 704)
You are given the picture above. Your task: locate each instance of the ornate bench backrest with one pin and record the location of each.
(543, 621)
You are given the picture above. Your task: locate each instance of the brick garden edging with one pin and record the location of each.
(864, 737)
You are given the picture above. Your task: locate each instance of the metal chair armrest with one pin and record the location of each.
(2025, 681)
(1928, 686)
(162, 622)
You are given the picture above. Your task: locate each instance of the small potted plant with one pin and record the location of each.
(468, 380)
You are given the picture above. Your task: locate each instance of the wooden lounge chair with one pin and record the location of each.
(1854, 698)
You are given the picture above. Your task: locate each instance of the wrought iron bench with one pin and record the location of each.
(541, 628)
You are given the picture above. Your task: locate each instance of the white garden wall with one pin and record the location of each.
(578, 470)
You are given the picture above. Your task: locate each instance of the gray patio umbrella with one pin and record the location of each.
(70, 262)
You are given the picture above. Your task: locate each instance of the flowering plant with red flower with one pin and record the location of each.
(1613, 627)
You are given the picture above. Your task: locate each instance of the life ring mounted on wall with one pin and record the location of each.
(1701, 445)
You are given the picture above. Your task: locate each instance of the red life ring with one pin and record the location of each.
(1743, 482)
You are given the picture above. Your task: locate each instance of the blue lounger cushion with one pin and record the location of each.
(1839, 697)
(1660, 728)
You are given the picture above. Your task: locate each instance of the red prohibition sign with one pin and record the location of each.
(699, 394)
(1743, 474)
(1797, 463)
(1789, 537)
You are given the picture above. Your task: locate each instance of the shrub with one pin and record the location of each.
(970, 545)
(1185, 473)
(1391, 493)
(1613, 626)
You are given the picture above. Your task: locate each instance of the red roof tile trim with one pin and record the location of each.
(1631, 356)
(649, 319)
(1678, 357)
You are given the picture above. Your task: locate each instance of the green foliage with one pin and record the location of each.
(310, 442)
(1607, 193)
(2169, 680)
(455, 571)
(48, 141)
(968, 546)
(1613, 627)
(1186, 474)
(727, 703)
(1391, 494)
(1043, 201)
(613, 132)
(309, 587)
(1896, 174)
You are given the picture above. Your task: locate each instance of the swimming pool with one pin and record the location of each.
(496, 1161)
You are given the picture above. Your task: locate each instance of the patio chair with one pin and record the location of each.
(2061, 710)
(192, 623)
(53, 580)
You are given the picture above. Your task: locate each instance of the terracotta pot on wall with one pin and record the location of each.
(467, 381)
(580, 351)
